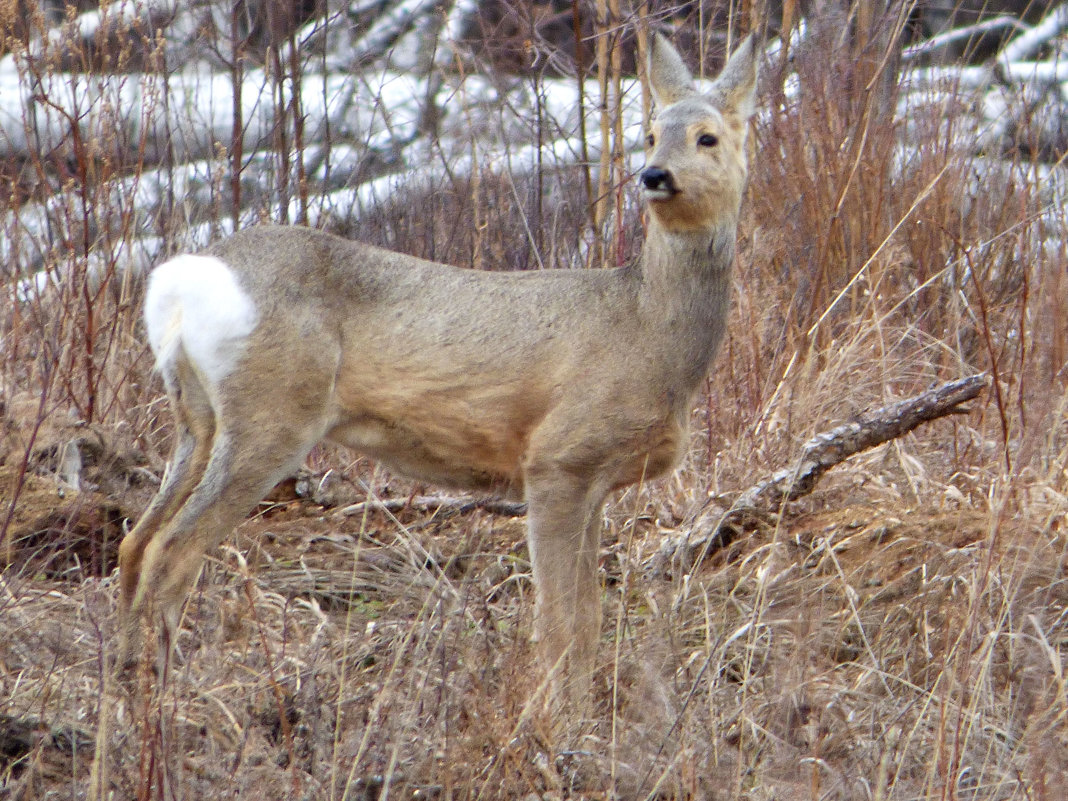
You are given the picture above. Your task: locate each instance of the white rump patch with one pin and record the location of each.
(196, 303)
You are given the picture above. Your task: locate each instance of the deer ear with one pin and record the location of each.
(735, 89)
(669, 78)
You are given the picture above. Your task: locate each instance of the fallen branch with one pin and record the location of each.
(819, 455)
(825, 450)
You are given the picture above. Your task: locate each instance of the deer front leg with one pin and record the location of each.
(563, 534)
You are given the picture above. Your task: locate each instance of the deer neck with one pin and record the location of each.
(684, 294)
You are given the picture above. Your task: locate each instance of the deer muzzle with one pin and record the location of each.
(658, 183)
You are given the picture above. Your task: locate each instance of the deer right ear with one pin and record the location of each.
(735, 89)
(669, 78)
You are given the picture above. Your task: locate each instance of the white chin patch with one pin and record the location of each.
(197, 304)
(659, 194)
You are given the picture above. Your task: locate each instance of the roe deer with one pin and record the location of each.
(556, 386)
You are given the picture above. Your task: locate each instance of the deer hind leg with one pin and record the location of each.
(253, 448)
(563, 534)
(195, 429)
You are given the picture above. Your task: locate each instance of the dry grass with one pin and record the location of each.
(900, 634)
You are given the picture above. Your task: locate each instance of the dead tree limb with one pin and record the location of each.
(819, 455)
(825, 450)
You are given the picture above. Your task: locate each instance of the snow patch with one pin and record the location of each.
(196, 303)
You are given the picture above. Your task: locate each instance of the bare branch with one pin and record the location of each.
(819, 455)
(825, 450)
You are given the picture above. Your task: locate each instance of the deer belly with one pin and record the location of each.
(436, 445)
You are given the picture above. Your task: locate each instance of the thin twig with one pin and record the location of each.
(437, 504)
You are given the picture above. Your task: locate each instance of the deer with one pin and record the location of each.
(555, 386)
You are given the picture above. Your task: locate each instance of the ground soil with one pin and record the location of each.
(305, 592)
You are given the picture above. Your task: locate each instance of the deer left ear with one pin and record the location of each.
(669, 78)
(734, 91)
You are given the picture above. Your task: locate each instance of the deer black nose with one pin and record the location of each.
(657, 179)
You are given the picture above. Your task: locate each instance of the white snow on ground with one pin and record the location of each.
(375, 115)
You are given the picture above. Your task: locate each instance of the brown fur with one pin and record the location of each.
(556, 386)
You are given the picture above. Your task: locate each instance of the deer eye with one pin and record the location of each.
(650, 140)
(708, 140)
